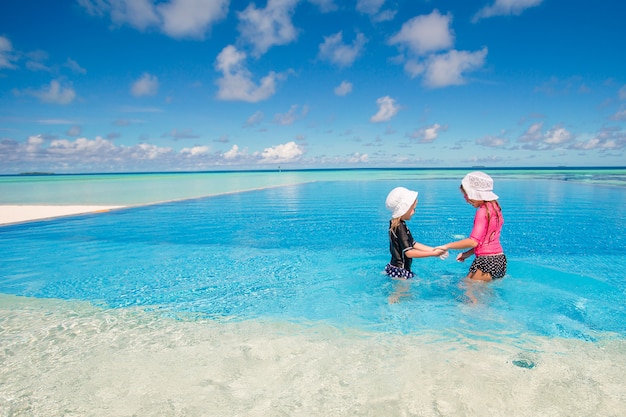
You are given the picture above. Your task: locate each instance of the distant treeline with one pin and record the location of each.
(37, 173)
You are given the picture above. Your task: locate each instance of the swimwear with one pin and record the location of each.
(490, 264)
(397, 272)
(400, 241)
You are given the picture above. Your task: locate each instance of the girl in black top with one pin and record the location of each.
(403, 248)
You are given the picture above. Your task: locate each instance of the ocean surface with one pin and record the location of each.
(262, 293)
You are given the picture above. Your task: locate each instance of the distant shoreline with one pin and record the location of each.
(280, 170)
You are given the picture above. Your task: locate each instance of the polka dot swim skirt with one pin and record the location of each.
(397, 272)
(492, 264)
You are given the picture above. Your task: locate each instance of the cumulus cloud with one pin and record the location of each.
(175, 18)
(190, 18)
(100, 154)
(532, 134)
(387, 109)
(55, 93)
(147, 85)
(343, 89)
(556, 137)
(195, 151)
(335, 51)
(608, 139)
(6, 53)
(289, 151)
(271, 26)
(425, 34)
(234, 153)
(236, 82)
(423, 38)
(505, 8)
(428, 134)
(449, 68)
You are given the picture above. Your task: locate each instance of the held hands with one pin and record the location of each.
(442, 253)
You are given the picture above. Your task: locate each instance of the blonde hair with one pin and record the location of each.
(489, 204)
(395, 223)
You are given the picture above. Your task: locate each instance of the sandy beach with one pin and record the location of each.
(12, 214)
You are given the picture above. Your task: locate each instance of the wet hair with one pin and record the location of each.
(395, 223)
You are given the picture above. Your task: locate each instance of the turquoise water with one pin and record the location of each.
(272, 301)
(314, 252)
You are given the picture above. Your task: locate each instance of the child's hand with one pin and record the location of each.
(460, 257)
(444, 253)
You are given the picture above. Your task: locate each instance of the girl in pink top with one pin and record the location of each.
(484, 241)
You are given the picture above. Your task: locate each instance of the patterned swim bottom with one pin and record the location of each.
(491, 264)
(397, 272)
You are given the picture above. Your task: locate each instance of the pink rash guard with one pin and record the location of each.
(487, 235)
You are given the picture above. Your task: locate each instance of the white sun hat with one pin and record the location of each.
(479, 186)
(399, 201)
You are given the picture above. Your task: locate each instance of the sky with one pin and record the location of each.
(200, 85)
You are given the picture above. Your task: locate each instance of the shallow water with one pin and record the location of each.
(272, 302)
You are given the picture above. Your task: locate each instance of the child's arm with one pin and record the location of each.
(420, 250)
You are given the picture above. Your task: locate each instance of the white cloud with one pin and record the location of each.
(334, 50)
(505, 8)
(447, 69)
(234, 153)
(282, 153)
(191, 18)
(195, 151)
(414, 68)
(55, 93)
(425, 34)
(387, 109)
(428, 134)
(607, 139)
(557, 136)
(147, 85)
(532, 134)
(264, 28)
(343, 89)
(369, 6)
(6, 53)
(236, 82)
(622, 93)
(176, 18)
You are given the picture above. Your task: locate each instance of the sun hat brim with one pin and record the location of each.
(399, 201)
(479, 186)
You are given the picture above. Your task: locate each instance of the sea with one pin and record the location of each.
(262, 293)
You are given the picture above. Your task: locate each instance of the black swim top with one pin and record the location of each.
(400, 240)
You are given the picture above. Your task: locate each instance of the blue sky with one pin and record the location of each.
(180, 85)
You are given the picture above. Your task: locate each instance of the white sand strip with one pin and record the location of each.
(10, 214)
